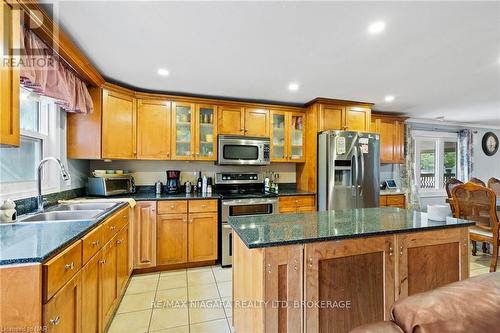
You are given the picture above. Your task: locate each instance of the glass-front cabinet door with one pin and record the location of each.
(183, 120)
(296, 130)
(206, 132)
(279, 128)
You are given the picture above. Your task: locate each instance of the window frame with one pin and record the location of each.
(439, 138)
(50, 136)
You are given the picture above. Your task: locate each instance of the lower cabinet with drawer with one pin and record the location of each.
(297, 204)
(186, 232)
(82, 285)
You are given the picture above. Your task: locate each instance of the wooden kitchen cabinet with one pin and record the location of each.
(393, 200)
(144, 247)
(91, 295)
(183, 122)
(297, 204)
(171, 239)
(343, 117)
(122, 260)
(118, 125)
(231, 120)
(243, 121)
(205, 132)
(202, 233)
(153, 129)
(62, 314)
(392, 137)
(256, 122)
(428, 260)
(287, 136)
(357, 270)
(10, 37)
(109, 279)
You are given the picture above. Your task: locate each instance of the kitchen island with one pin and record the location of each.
(332, 271)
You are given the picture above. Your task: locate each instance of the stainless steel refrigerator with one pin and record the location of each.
(348, 170)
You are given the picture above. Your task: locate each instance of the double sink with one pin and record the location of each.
(70, 212)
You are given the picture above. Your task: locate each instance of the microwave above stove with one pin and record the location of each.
(243, 150)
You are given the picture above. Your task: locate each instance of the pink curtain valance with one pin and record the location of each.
(46, 75)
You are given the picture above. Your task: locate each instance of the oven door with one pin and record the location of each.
(243, 151)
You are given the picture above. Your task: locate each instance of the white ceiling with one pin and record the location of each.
(437, 58)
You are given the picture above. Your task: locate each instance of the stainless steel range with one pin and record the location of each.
(242, 194)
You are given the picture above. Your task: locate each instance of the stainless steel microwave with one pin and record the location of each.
(243, 150)
(112, 185)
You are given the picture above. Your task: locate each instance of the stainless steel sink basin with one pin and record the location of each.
(74, 215)
(85, 206)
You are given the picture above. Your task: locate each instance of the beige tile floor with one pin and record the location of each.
(201, 300)
(196, 300)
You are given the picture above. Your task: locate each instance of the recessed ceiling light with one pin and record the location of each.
(293, 86)
(376, 27)
(163, 72)
(389, 98)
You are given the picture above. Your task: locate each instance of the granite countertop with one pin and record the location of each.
(291, 192)
(33, 242)
(283, 229)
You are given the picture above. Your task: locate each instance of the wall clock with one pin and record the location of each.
(490, 143)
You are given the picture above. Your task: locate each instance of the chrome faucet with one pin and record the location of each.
(64, 174)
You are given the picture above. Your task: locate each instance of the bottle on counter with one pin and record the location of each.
(204, 184)
(199, 183)
(158, 186)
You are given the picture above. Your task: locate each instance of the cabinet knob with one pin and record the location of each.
(95, 243)
(112, 227)
(102, 261)
(55, 321)
(168, 154)
(119, 241)
(69, 266)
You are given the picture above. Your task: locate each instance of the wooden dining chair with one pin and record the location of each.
(494, 185)
(477, 181)
(450, 185)
(478, 203)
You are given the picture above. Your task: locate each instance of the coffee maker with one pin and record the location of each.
(173, 184)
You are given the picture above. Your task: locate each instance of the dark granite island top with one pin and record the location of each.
(35, 242)
(284, 229)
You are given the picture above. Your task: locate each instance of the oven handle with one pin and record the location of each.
(249, 202)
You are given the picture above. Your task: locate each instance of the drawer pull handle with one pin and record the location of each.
(113, 227)
(203, 206)
(95, 243)
(172, 207)
(119, 241)
(55, 321)
(69, 266)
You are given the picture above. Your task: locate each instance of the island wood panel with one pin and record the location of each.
(153, 129)
(283, 283)
(359, 270)
(62, 314)
(248, 284)
(20, 296)
(428, 260)
(81, 127)
(144, 227)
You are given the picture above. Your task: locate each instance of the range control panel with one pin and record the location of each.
(231, 177)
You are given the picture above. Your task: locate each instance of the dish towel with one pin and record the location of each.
(130, 201)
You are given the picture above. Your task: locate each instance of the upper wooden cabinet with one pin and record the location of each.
(118, 125)
(243, 121)
(153, 129)
(10, 37)
(231, 120)
(287, 136)
(392, 137)
(342, 117)
(206, 132)
(256, 122)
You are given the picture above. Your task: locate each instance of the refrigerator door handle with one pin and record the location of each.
(354, 172)
(362, 178)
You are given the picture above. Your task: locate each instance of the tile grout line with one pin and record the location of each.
(220, 297)
(154, 302)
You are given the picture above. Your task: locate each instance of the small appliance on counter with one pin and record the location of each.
(173, 184)
(110, 184)
(390, 184)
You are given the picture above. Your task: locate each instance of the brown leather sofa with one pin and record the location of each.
(468, 306)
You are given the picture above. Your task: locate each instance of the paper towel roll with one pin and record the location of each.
(438, 212)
